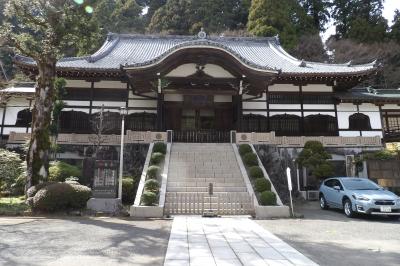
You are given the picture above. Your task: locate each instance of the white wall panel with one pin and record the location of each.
(317, 88)
(285, 106)
(8, 130)
(319, 106)
(11, 115)
(391, 107)
(283, 88)
(254, 105)
(368, 107)
(372, 133)
(222, 98)
(347, 107)
(78, 83)
(141, 111)
(143, 103)
(319, 112)
(282, 113)
(349, 133)
(77, 103)
(255, 113)
(109, 104)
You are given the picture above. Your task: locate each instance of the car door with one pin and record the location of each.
(337, 194)
(328, 191)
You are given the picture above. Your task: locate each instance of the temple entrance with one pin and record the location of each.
(199, 119)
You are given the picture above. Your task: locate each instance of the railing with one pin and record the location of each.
(270, 138)
(90, 139)
(198, 203)
(201, 136)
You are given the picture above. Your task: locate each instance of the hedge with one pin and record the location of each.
(244, 148)
(34, 189)
(157, 158)
(59, 171)
(268, 198)
(128, 190)
(255, 172)
(262, 184)
(250, 159)
(153, 172)
(149, 198)
(152, 185)
(160, 147)
(60, 196)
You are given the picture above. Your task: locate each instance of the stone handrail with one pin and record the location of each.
(89, 139)
(329, 141)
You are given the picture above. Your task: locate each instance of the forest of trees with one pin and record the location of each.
(362, 33)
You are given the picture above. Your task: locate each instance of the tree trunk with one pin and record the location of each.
(39, 146)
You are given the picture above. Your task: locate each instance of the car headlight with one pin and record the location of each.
(361, 198)
(398, 201)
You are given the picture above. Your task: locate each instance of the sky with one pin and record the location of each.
(389, 7)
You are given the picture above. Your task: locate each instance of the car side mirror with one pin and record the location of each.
(336, 187)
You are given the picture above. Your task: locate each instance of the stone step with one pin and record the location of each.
(205, 189)
(206, 180)
(205, 184)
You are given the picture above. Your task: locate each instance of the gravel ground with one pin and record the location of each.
(330, 238)
(82, 241)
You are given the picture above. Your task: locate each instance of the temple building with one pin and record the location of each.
(203, 87)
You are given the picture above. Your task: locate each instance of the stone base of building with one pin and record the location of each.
(146, 211)
(266, 212)
(111, 206)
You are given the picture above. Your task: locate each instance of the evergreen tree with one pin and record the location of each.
(284, 17)
(395, 28)
(319, 11)
(360, 20)
(188, 16)
(43, 31)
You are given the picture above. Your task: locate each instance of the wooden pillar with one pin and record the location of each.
(239, 106)
(302, 111)
(268, 115)
(3, 120)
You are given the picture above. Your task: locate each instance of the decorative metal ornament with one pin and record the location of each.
(202, 34)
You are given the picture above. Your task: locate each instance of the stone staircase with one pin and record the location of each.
(192, 167)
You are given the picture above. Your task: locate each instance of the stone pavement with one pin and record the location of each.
(227, 241)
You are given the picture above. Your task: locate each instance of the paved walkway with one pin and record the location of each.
(227, 241)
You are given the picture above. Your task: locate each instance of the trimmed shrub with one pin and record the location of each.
(149, 198)
(250, 159)
(255, 172)
(157, 158)
(268, 198)
(153, 172)
(34, 189)
(160, 147)
(262, 184)
(152, 185)
(11, 167)
(59, 171)
(128, 190)
(244, 148)
(61, 196)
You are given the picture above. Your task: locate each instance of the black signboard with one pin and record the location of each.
(105, 183)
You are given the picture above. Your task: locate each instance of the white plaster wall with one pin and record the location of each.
(254, 105)
(217, 71)
(374, 118)
(368, 107)
(109, 104)
(222, 98)
(285, 106)
(8, 130)
(143, 103)
(317, 88)
(182, 71)
(319, 106)
(85, 110)
(105, 110)
(190, 69)
(77, 103)
(349, 133)
(283, 87)
(346, 107)
(78, 83)
(173, 97)
(317, 113)
(109, 84)
(141, 111)
(18, 101)
(391, 107)
(255, 113)
(282, 113)
(262, 98)
(372, 133)
(11, 114)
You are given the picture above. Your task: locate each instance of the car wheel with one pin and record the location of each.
(348, 209)
(322, 203)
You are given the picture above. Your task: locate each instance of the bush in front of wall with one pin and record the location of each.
(244, 148)
(268, 198)
(152, 185)
(255, 172)
(59, 171)
(262, 184)
(250, 159)
(157, 158)
(149, 198)
(160, 147)
(128, 190)
(153, 172)
(34, 189)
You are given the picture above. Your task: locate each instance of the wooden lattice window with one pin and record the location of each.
(24, 118)
(141, 121)
(285, 125)
(74, 122)
(320, 125)
(254, 123)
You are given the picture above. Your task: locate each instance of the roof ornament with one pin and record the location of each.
(277, 39)
(350, 63)
(303, 63)
(202, 34)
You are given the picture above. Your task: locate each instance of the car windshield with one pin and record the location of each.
(359, 184)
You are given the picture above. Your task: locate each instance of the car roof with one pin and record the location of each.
(348, 178)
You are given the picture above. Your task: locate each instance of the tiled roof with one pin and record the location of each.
(370, 95)
(138, 51)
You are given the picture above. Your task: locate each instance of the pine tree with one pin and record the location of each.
(395, 28)
(284, 17)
